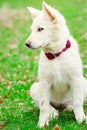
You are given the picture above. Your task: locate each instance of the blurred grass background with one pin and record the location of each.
(19, 66)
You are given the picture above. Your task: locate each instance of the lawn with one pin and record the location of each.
(19, 65)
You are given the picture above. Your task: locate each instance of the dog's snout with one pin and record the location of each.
(28, 44)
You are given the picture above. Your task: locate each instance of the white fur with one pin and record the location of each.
(60, 79)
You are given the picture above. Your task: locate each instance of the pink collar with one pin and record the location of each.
(52, 56)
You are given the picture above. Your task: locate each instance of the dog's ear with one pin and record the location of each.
(48, 12)
(33, 12)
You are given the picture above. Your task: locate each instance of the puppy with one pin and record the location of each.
(61, 83)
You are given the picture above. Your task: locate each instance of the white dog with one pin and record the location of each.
(61, 83)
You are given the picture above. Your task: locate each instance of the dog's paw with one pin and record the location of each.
(81, 118)
(43, 122)
(45, 117)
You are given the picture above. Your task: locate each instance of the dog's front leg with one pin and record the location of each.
(77, 94)
(46, 111)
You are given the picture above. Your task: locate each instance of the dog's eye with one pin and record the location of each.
(40, 29)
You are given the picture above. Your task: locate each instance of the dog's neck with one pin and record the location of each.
(58, 43)
(54, 47)
(52, 55)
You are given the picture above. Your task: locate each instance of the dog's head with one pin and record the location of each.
(45, 27)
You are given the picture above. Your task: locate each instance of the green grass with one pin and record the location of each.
(19, 66)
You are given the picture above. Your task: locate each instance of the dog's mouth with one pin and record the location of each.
(43, 45)
(38, 47)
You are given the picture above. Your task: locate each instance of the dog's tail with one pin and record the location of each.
(85, 87)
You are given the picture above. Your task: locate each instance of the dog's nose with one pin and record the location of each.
(28, 44)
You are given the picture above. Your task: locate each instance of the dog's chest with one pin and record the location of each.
(56, 70)
(60, 87)
(59, 72)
